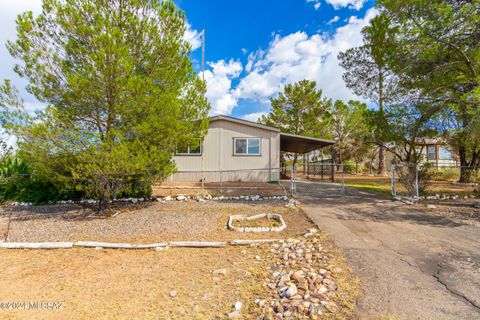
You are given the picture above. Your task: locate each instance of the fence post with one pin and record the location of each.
(292, 181)
(343, 184)
(393, 180)
(221, 183)
(416, 182)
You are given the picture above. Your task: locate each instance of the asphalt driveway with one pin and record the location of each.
(413, 263)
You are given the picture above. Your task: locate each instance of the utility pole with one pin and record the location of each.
(203, 79)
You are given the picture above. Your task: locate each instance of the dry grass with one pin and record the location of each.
(117, 284)
(261, 222)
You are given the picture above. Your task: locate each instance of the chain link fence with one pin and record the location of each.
(320, 178)
(413, 181)
(262, 182)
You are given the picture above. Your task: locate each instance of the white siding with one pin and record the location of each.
(218, 154)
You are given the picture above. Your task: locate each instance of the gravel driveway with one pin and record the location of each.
(414, 263)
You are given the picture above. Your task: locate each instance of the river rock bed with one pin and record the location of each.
(302, 280)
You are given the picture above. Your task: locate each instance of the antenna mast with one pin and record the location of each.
(203, 79)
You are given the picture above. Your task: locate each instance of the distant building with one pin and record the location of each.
(434, 150)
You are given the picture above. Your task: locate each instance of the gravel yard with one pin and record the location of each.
(145, 222)
(175, 283)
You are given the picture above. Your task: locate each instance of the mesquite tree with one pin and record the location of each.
(120, 88)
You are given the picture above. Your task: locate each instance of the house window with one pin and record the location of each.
(246, 146)
(194, 149)
(431, 153)
(444, 153)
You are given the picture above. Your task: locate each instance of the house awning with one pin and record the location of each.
(301, 144)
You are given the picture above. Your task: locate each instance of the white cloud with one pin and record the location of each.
(333, 20)
(316, 3)
(219, 85)
(193, 37)
(9, 10)
(253, 116)
(351, 4)
(298, 56)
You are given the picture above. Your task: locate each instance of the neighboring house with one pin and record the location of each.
(240, 150)
(437, 152)
(434, 150)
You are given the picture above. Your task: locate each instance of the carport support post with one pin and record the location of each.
(333, 164)
(304, 166)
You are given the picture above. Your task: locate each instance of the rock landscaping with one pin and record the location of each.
(447, 197)
(201, 198)
(306, 281)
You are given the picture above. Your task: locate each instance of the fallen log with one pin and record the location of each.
(198, 244)
(36, 245)
(247, 242)
(94, 244)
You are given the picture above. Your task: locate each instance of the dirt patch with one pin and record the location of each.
(261, 222)
(217, 188)
(118, 284)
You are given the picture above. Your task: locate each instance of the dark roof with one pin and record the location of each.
(301, 144)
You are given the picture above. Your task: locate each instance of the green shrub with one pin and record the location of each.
(445, 174)
(36, 191)
(349, 167)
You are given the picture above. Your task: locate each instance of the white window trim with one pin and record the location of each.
(188, 153)
(235, 153)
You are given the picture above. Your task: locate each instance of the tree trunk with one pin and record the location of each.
(356, 167)
(381, 161)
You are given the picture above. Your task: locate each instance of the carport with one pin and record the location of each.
(301, 145)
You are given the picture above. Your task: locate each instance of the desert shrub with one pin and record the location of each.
(349, 167)
(445, 174)
(17, 182)
(407, 177)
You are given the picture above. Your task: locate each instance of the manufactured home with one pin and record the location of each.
(240, 150)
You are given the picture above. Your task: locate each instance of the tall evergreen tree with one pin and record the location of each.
(298, 110)
(120, 88)
(368, 74)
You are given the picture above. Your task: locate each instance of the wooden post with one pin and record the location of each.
(304, 167)
(333, 164)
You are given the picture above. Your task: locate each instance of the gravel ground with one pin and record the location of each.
(462, 210)
(146, 222)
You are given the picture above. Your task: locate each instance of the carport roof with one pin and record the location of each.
(301, 144)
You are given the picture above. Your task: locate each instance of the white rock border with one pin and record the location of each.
(242, 217)
(179, 197)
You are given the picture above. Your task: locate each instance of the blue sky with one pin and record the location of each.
(253, 48)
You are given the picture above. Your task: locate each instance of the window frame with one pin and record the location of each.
(188, 153)
(235, 153)
(450, 152)
(434, 152)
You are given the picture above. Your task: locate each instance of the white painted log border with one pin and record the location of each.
(241, 217)
(112, 245)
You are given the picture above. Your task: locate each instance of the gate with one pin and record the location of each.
(314, 179)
